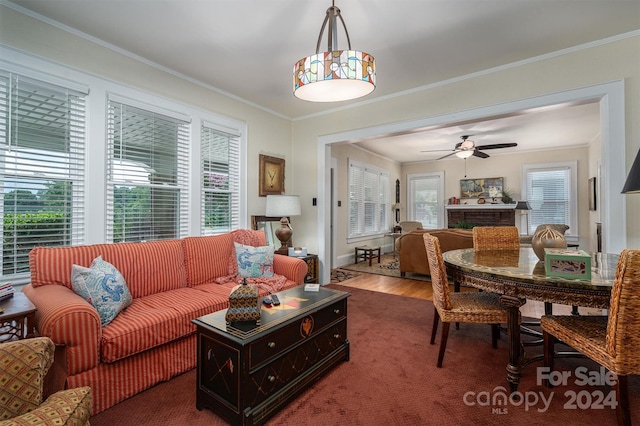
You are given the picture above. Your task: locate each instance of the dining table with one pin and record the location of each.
(518, 275)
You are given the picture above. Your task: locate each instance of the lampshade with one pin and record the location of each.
(334, 75)
(632, 185)
(523, 205)
(464, 154)
(283, 205)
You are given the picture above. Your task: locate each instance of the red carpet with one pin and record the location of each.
(392, 379)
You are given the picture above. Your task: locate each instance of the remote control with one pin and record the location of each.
(275, 300)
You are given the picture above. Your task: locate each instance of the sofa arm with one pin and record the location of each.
(68, 320)
(67, 407)
(291, 267)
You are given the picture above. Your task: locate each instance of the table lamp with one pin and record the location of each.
(283, 206)
(524, 206)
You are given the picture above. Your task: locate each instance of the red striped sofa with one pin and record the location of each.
(152, 340)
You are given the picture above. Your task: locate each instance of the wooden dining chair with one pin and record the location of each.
(449, 307)
(496, 238)
(613, 341)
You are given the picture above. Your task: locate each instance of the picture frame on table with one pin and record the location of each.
(270, 176)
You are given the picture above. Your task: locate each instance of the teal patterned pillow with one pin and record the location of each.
(254, 262)
(103, 286)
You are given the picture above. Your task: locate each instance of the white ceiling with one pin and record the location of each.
(247, 48)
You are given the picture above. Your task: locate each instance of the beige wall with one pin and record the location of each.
(617, 60)
(342, 153)
(267, 133)
(297, 141)
(509, 167)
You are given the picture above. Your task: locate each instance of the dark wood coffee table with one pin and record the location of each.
(245, 373)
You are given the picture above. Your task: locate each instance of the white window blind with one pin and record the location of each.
(147, 174)
(42, 155)
(368, 200)
(549, 195)
(220, 175)
(425, 195)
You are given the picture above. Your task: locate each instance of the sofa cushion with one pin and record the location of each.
(103, 286)
(207, 258)
(147, 268)
(254, 261)
(157, 319)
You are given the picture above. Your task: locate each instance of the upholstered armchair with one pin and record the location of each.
(410, 225)
(561, 228)
(23, 367)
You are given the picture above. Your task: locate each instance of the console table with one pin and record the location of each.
(482, 214)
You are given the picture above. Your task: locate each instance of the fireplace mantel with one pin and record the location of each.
(482, 214)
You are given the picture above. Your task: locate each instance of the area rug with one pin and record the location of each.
(339, 275)
(388, 266)
(392, 379)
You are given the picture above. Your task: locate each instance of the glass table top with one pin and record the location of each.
(524, 266)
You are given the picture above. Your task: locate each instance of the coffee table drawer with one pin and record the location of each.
(284, 370)
(265, 349)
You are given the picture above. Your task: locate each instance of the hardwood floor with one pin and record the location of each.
(422, 290)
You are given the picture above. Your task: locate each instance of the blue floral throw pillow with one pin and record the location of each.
(254, 262)
(103, 286)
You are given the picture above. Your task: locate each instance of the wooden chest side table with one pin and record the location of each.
(18, 319)
(245, 373)
(312, 268)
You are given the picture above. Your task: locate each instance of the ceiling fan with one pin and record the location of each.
(467, 148)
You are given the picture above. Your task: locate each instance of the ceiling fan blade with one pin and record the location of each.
(497, 145)
(480, 154)
(437, 150)
(448, 155)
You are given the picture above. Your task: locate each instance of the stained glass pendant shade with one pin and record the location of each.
(334, 75)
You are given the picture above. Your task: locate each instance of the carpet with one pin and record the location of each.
(391, 379)
(388, 266)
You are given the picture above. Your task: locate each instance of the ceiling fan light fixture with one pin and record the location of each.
(464, 154)
(334, 75)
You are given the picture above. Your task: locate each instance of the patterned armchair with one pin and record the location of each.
(23, 367)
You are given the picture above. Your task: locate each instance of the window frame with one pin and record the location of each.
(94, 212)
(572, 167)
(159, 120)
(411, 198)
(44, 152)
(381, 207)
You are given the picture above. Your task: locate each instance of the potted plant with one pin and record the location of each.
(507, 198)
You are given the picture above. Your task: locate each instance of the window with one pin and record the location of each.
(426, 199)
(42, 141)
(220, 175)
(551, 192)
(147, 158)
(368, 200)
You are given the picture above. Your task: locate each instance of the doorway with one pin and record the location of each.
(610, 97)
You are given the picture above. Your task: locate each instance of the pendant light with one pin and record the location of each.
(334, 75)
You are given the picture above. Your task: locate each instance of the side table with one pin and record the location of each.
(18, 318)
(312, 268)
(395, 236)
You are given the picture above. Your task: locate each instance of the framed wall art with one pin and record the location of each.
(270, 176)
(477, 188)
